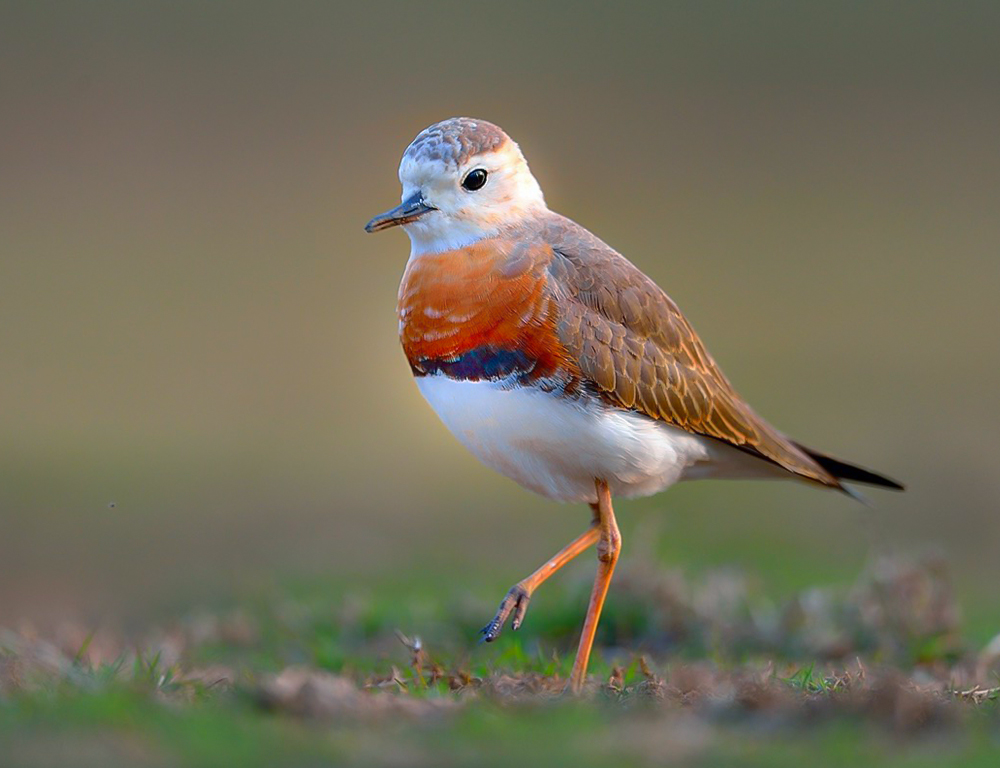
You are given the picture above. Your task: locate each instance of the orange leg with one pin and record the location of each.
(516, 600)
(608, 547)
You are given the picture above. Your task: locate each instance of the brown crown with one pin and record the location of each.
(456, 140)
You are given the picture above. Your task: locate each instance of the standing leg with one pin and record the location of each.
(608, 546)
(516, 600)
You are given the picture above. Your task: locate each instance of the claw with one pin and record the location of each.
(515, 601)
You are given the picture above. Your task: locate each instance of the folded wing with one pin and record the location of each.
(632, 343)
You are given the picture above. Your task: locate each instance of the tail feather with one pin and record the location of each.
(850, 472)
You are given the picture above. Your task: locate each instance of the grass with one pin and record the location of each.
(700, 672)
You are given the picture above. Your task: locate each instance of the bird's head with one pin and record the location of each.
(463, 179)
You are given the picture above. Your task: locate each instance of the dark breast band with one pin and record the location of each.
(478, 364)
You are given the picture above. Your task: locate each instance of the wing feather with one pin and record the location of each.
(632, 343)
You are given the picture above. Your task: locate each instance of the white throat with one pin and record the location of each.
(426, 238)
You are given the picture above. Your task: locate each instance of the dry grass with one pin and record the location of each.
(901, 616)
(684, 666)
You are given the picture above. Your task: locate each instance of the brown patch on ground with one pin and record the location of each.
(318, 695)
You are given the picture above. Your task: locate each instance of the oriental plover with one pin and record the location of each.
(558, 363)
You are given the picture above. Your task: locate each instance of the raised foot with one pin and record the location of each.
(514, 605)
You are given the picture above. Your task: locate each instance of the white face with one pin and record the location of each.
(465, 213)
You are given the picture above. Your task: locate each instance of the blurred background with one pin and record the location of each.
(201, 388)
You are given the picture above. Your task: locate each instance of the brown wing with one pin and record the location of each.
(632, 342)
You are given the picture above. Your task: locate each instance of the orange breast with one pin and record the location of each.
(481, 309)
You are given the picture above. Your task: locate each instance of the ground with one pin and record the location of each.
(690, 671)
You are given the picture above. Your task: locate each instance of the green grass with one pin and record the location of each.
(127, 725)
(690, 677)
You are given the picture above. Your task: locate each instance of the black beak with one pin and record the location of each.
(411, 209)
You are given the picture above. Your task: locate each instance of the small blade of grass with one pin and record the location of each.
(78, 658)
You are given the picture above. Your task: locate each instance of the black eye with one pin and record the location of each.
(475, 180)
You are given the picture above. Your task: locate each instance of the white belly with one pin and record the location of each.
(557, 446)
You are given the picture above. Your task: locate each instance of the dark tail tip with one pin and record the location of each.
(851, 472)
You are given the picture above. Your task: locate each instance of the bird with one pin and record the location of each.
(557, 362)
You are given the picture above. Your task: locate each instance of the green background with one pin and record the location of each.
(201, 389)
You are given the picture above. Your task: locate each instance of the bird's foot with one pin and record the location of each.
(513, 606)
